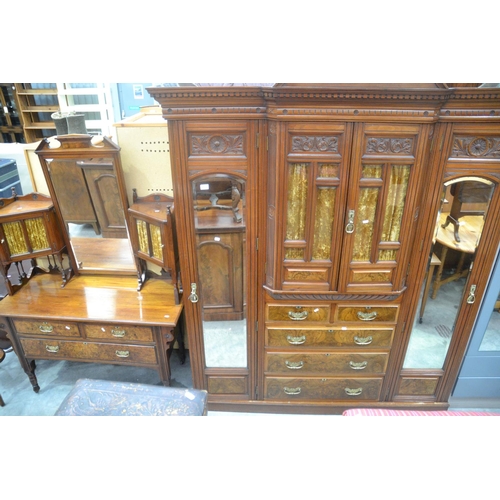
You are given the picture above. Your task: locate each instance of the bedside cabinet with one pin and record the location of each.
(152, 234)
(29, 230)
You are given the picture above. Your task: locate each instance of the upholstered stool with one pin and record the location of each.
(104, 398)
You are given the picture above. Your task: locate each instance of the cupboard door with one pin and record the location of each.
(381, 207)
(315, 175)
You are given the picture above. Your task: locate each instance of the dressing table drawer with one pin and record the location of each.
(126, 333)
(90, 351)
(315, 388)
(47, 327)
(345, 363)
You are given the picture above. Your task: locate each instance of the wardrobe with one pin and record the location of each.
(308, 217)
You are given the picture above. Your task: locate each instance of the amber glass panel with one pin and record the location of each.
(156, 241)
(372, 172)
(395, 202)
(142, 232)
(15, 238)
(328, 171)
(323, 226)
(36, 234)
(294, 254)
(365, 218)
(297, 201)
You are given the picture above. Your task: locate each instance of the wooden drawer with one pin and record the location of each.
(90, 351)
(326, 337)
(59, 328)
(341, 389)
(118, 332)
(327, 363)
(298, 313)
(368, 313)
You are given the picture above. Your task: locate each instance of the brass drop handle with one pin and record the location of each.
(118, 332)
(367, 316)
(353, 392)
(358, 366)
(472, 295)
(294, 365)
(292, 391)
(350, 222)
(45, 327)
(296, 340)
(52, 348)
(297, 316)
(123, 354)
(193, 297)
(363, 340)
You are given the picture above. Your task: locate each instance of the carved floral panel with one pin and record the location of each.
(476, 147)
(390, 146)
(315, 144)
(217, 144)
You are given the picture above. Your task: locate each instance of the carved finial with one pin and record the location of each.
(134, 194)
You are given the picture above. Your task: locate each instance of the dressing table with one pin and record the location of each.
(99, 316)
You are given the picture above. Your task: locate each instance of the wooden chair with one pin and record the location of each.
(467, 192)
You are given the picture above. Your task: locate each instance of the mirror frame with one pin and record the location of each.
(83, 147)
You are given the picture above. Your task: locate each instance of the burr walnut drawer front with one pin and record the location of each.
(329, 337)
(118, 332)
(315, 388)
(298, 313)
(48, 327)
(366, 314)
(344, 363)
(92, 351)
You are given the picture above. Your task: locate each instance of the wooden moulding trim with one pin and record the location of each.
(322, 407)
(300, 295)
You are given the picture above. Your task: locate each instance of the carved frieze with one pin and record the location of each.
(217, 144)
(391, 146)
(476, 147)
(315, 144)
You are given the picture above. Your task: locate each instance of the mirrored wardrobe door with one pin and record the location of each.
(220, 233)
(448, 289)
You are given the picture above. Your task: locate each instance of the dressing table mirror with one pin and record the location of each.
(85, 179)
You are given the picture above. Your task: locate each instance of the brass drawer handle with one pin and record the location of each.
(123, 354)
(52, 348)
(367, 316)
(358, 366)
(363, 340)
(46, 328)
(297, 316)
(294, 366)
(353, 392)
(292, 391)
(296, 340)
(118, 332)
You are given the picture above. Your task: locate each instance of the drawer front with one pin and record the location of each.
(60, 328)
(279, 337)
(327, 363)
(367, 314)
(90, 351)
(118, 332)
(339, 389)
(294, 313)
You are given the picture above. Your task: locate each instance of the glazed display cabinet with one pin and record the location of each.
(308, 215)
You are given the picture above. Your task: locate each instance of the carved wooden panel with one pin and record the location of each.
(390, 146)
(216, 144)
(315, 144)
(476, 147)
